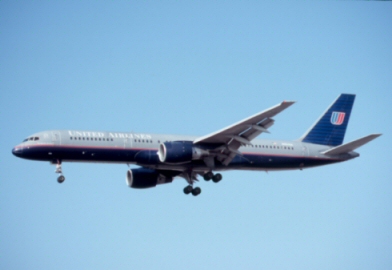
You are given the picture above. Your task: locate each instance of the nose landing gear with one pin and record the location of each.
(60, 179)
(59, 170)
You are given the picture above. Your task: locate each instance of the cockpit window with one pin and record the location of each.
(31, 139)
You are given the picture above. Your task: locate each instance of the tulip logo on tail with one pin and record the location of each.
(337, 118)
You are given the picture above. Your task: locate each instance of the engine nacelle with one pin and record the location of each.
(178, 152)
(145, 178)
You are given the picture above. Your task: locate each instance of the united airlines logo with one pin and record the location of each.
(337, 118)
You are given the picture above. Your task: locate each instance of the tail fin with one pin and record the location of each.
(331, 127)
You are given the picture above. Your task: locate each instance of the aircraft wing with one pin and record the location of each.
(241, 133)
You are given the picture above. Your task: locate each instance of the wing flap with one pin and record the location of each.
(351, 146)
(245, 128)
(241, 133)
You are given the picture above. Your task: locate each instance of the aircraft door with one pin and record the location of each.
(127, 143)
(56, 139)
(305, 150)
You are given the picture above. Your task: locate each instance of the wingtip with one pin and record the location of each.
(290, 102)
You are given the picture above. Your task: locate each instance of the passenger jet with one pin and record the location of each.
(163, 157)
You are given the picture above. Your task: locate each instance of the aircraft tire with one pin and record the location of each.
(60, 179)
(188, 189)
(217, 177)
(196, 191)
(208, 176)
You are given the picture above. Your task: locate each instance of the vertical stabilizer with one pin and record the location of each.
(331, 127)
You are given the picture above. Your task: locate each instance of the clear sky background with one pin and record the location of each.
(193, 68)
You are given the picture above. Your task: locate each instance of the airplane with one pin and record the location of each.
(164, 157)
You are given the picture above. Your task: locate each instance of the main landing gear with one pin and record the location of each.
(196, 191)
(189, 189)
(58, 170)
(191, 177)
(215, 177)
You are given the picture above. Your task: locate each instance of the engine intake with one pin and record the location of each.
(146, 178)
(179, 152)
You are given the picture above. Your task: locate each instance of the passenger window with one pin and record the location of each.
(99, 138)
(70, 138)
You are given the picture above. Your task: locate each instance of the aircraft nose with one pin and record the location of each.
(17, 151)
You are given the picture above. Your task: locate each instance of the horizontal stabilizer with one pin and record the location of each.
(351, 146)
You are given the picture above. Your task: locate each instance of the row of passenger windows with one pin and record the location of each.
(103, 139)
(150, 141)
(145, 141)
(274, 147)
(91, 139)
(31, 139)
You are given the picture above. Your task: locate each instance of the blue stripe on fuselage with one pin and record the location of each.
(143, 156)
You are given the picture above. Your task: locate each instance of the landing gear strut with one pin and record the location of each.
(58, 170)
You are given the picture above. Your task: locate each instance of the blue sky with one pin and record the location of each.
(193, 68)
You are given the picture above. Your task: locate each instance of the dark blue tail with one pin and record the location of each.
(331, 127)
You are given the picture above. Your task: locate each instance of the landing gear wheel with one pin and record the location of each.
(208, 176)
(60, 179)
(217, 177)
(196, 191)
(188, 189)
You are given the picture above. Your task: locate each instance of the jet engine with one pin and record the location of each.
(145, 178)
(178, 152)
